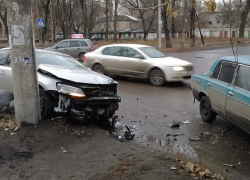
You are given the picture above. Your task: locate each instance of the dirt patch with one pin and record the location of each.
(49, 151)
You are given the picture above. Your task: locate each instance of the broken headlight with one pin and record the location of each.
(72, 91)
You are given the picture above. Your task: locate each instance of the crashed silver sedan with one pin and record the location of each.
(66, 86)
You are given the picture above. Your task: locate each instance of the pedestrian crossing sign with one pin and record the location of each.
(40, 22)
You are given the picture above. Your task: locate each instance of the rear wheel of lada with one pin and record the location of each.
(45, 103)
(98, 68)
(207, 114)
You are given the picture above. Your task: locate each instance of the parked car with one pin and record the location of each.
(225, 91)
(73, 47)
(139, 61)
(66, 86)
(96, 38)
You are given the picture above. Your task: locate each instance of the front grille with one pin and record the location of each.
(189, 68)
(99, 90)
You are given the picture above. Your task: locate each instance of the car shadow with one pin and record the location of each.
(180, 84)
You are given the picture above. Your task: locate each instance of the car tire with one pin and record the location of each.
(156, 77)
(98, 68)
(46, 104)
(206, 112)
(81, 56)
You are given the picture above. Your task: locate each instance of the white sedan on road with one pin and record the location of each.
(139, 61)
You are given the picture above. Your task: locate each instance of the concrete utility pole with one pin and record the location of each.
(159, 24)
(26, 93)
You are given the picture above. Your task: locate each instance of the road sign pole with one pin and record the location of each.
(22, 53)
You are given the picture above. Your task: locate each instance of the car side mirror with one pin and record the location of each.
(139, 56)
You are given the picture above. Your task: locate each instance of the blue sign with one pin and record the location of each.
(40, 22)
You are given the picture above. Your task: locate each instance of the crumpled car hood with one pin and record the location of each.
(75, 74)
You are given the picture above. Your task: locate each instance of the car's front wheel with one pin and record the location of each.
(156, 77)
(98, 68)
(46, 104)
(207, 114)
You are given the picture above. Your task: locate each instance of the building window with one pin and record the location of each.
(118, 25)
(210, 22)
(131, 25)
(99, 26)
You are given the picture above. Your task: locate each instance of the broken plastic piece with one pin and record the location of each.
(186, 122)
(232, 165)
(128, 135)
(175, 124)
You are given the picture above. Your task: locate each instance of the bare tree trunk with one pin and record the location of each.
(173, 22)
(46, 28)
(192, 23)
(115, 21)
(107, 21)
(202, 39)
(4, 19)
(243, 18)
(165, 25)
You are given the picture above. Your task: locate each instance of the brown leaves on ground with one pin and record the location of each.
(196, 170)
(145, 168)
(7, 122)
(123, 168)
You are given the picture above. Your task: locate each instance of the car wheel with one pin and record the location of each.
(98, 68)
(81, 56)
(207, 114)
(156, 77)
(45, 103)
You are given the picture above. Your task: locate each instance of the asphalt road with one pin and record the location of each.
(151, 109)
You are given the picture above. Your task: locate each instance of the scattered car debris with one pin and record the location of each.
(186, 122)
(12, 134)
(128, 135)
(174, 135)
(165, 115)
(173, 168)
(231, 165)
(196, 139)
(175, 124)
(146, 115)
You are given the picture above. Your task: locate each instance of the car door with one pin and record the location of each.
(219, 84)
(111, 60)
(133, 63)
(74, 48)
(5, 71)
(63, 47)
(238, 102)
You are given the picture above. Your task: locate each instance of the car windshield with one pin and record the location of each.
(152, 52)
(57, 59)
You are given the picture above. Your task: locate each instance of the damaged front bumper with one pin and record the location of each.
(88, 107)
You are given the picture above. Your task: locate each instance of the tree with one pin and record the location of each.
(84, 16)
(243, 18)
(115, 21)
(107, 21)
(165, 15)
(94, 8)
(192, 22)
(147, 16)
(3, 17)
(45, 5)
